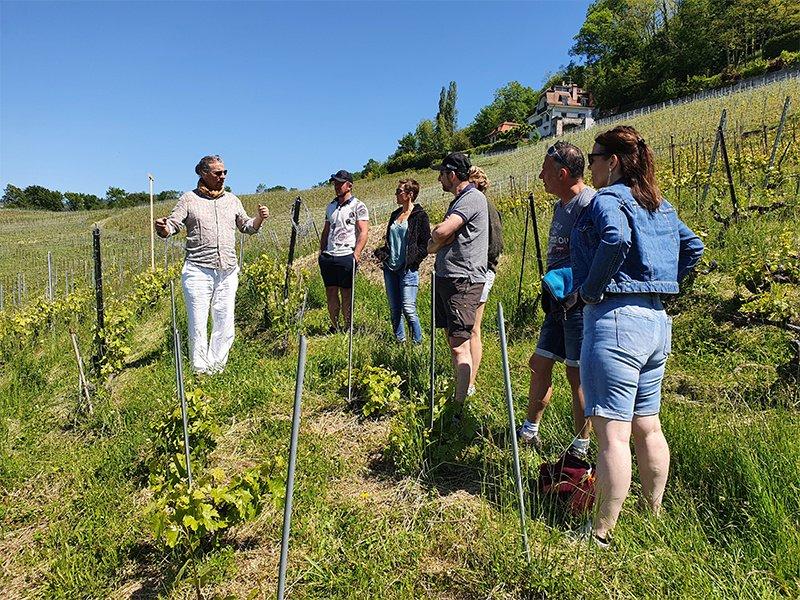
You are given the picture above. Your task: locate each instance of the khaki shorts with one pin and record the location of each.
(457, 301)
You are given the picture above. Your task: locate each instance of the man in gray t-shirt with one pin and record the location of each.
(561, 334)
(461, 244)
(564, 217)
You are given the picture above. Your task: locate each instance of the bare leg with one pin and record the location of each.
(476, 344)
(332, 295)
(652, 455)
(613, 471)
(462, 365)
(346, 305)
(582, 426)
(541, 388)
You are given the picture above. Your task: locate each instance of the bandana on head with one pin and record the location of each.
(202, 190)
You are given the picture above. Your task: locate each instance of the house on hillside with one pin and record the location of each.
(494, 134)
(561, 108)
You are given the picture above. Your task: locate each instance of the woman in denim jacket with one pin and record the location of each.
(628, 249)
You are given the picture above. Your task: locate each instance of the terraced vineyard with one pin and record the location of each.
(384, 508)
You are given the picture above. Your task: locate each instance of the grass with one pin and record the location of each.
(383, 509)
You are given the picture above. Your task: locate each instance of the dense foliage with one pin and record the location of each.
(640, 52)
(36, 197)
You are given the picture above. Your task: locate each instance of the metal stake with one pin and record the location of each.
(514, 449)
(49, 276)
(287, 507)
(350, 340)
(176, 337)
(432, 381)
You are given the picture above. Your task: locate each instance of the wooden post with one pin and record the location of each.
(777, 142)
(152, 227)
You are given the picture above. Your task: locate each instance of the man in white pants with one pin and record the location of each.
(210, 273)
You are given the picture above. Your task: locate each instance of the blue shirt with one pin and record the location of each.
(620, 247)
(398, 233)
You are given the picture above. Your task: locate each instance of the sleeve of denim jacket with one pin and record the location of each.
(614, 231)
(691, 250)
(243, 221)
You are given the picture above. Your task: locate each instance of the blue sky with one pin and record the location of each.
(95, 94)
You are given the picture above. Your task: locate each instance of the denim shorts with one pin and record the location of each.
(626, 340)
(560, 338)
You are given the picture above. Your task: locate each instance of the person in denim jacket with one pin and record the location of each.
(628, 248)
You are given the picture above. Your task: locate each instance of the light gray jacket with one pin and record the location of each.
(210, 228)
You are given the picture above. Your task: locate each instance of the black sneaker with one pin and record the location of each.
(578, 453)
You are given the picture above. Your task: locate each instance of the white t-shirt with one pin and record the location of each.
(342, 219)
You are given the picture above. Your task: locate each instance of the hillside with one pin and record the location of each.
(383, 508)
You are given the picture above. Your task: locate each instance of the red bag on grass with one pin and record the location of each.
(572, 479)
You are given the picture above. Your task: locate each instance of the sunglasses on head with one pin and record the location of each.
(553, 153)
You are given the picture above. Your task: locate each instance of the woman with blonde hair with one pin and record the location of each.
(478, 178)
(628, 249)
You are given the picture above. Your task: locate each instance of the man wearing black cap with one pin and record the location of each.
(343, 238)
(461, 244)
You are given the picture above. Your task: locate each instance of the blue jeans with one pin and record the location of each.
(626, 340)
(560, 338)
(401, 289)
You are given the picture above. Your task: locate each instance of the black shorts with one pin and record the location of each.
(457, 301)
(336, 271)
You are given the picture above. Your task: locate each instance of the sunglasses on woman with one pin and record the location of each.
(591, 156)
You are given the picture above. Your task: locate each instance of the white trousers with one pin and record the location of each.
(205, 288)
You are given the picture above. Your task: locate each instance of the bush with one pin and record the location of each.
(265, 279)
(757, 67)
(787, 42)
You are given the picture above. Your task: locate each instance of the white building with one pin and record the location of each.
(561, 108)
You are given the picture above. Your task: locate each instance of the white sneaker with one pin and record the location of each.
(471, 390)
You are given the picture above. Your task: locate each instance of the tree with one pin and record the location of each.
(407, 143)
(261, 188)
(373, 169)
(40, 198)
(426, 137)
(512, 102)
(115, 196)
(79, 201)
(13, 197)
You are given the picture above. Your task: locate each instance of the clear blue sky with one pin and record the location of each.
(94, 94)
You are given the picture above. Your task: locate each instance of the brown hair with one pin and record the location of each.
(410, 186)
(202, 166)
(478, 177)
(637, 163)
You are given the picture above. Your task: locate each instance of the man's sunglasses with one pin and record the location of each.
(220, 173)
(591, 156)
